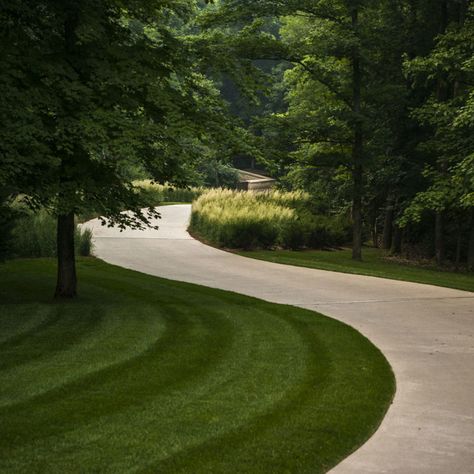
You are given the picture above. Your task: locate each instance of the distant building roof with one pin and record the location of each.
(255, 182)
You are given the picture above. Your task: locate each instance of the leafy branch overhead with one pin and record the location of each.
(91, 85)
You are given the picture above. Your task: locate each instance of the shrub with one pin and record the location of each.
(83, 241)
(155, 194)
(8, 219)
(328, 231)
(239, 219)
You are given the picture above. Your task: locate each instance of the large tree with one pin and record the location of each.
(88, 86)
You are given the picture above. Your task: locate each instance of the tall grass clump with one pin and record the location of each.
(155, 194)
(34, 235)
(241, 219)
(8, 219)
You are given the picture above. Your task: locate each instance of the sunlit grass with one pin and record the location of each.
(240, 219)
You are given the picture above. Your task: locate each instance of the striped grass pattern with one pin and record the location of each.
(146, 375)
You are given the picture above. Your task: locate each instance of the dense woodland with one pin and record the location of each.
(372, 112)
(368, 106)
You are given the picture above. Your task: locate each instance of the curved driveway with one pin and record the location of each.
(425, 332)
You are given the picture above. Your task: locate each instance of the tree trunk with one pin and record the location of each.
(388, 226)
(470, 253)
(66, 286)
(439, 239)
(373, 225)
(396, 248)
(357, 148)
(357, 214)
(375, 235)
(458, 250)
(407, 241)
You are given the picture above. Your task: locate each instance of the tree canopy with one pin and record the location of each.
(372, 112)
(367, 105)
(90, 87)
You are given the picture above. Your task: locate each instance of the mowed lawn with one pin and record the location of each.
(147, 375)
(375, 263)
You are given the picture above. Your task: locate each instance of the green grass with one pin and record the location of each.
(147, 375)
(374, 264)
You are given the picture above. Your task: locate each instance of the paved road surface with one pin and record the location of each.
(425, 332)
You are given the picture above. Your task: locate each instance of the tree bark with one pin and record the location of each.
(357, 213)
(66, 286)
(396, 248)
(375, 234)
(439, 238)
(373, 224)
(470, 252)
(357, 148)
(388, 226)
(458, 250)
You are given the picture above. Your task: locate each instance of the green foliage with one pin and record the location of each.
(239, 219)
(397, 75)
(83, 240)
(154, 194)
(216, 174)
(363, 104)
(97, 94)
(34, 235)
(447, 113)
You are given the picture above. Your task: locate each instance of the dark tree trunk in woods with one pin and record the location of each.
(396, 248)
(66, 286)
(388, 226)
(373, 225)
(357, 149)
(375, 235)
(470, 252)
(357, 214)
(458, 250)
(439, 239)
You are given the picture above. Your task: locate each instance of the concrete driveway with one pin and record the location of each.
(425, 332)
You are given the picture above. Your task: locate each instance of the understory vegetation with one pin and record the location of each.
(27, 233)
(34, 235)
(239, 219)
(371, 107)
(130, 377)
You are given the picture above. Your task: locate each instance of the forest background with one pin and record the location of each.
(367, 106)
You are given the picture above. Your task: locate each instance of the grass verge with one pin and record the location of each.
(149, 375)
(375, 263)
